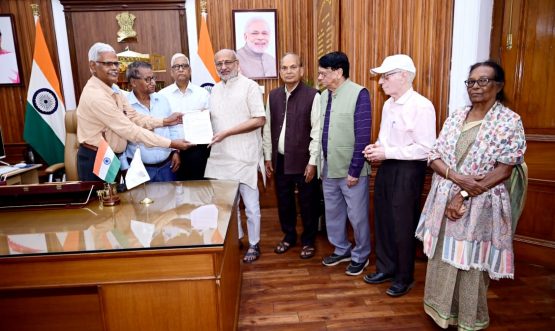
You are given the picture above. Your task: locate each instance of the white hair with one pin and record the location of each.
(177, 56)
(97, 48)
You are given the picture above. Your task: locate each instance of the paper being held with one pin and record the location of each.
(197, 128)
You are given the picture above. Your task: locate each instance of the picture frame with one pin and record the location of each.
(255, 41)
(10, 62)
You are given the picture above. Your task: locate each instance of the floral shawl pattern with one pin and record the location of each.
(482, 238)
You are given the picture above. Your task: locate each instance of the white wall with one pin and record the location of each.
(471, 43)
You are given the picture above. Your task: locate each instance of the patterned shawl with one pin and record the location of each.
(482, 238)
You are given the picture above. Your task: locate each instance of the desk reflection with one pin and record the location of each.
(164, 223)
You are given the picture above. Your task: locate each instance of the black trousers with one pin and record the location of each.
(309, 201)
(397, 191)
(193, 163)
(85, 165)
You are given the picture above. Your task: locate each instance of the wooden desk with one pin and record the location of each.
(27, 175)
(128, 267)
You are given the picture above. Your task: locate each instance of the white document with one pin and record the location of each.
(197, 128)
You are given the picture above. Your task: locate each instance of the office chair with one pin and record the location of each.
(69, 167)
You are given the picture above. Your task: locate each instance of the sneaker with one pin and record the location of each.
(355, 268)
(335, 259)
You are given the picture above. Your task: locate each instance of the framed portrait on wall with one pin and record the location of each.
(255, 42)
(10, 63)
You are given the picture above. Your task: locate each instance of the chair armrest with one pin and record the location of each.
(55, 167)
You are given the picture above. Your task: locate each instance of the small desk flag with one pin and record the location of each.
(136, 174)
(106, 163)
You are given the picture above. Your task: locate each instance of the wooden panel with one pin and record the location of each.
(372, 30)
(61, 309)
(85, 269)
(159, 28)
(138, 306)
(529, 68)
(13, 99)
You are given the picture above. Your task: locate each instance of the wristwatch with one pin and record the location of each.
(465, 195)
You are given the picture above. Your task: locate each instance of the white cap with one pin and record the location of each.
(397, 61)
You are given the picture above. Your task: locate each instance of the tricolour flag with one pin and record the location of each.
(206, 73)
(44, 115)
(106, 163)
(136, 174)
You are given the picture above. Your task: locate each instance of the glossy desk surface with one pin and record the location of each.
(183, 214)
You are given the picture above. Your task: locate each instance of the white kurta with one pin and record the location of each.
(236, 157)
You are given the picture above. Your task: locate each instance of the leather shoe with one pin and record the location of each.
(377, 278)
(398, 289)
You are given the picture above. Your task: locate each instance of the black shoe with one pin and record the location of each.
(398, 289)
(377, 278)
(335, 259)
(356, 268)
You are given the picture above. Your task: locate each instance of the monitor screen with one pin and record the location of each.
(2, 150)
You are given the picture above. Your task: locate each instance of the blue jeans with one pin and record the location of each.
(162, 173)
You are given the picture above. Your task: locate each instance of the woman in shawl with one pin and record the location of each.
(466, 225)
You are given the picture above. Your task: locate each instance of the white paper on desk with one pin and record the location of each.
(205, 217)
(143, 231)
(197, 128)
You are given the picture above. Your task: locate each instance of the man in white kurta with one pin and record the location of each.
(237, 114)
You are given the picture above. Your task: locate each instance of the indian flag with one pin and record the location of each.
(205, 70)
(44, 115)
(106, 163)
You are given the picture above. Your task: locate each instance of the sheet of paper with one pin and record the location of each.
(197, 127)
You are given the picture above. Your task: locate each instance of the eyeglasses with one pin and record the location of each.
(325, 73)
(293, 68)
(108, 63)
(481, 82)
(388, 75)
(148, 80)
(177, 67)
(227, 63)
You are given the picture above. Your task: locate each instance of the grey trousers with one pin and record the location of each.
(342, 202)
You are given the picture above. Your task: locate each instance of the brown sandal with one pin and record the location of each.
(307, 252)
(282, 247)
(252, 254)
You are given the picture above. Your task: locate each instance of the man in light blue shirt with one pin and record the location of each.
(160, 163)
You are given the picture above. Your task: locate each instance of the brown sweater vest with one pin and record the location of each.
(297, 127)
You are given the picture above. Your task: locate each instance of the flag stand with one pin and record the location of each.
(146, 200)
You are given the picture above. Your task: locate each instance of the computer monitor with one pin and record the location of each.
(2, 149)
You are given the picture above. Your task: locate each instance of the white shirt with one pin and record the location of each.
(193, 99)
(408, 127)
(314, 131)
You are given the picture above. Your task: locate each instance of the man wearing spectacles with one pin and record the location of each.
(185, 97)
(407, 133)
(237, 114)
(160, 163)
(255, 61)
(346, 124)
(104, 113)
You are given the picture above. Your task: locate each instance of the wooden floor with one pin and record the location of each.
(283, 292)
